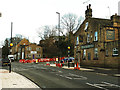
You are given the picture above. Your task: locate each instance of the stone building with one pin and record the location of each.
(26, 50)
(97, 41)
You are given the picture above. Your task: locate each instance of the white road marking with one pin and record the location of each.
(101, 74)
(118, 75)
(68, 77)
(94, 85)
(78, 77)
(113, 85)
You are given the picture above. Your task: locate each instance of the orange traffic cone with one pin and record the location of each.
(75, 66)
(78, 66)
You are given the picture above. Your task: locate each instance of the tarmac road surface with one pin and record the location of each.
(48, 77)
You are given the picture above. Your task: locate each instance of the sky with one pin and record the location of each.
(29, 15)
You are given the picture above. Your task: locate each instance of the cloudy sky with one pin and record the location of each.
(29, 15)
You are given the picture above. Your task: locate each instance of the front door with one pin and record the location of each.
(33, 56)
(89, 56)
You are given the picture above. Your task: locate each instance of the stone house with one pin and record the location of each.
(26, 50)
(97, 41)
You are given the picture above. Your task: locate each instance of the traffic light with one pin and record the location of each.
(69, 47)
(11, 44)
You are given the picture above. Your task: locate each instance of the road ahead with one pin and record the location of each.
(54, 77)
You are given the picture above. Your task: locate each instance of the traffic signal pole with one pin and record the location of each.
(11, 44)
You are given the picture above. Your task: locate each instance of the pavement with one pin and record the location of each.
(15, 80)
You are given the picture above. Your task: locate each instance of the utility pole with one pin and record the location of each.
(11, 30)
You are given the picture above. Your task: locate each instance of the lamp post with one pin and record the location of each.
(58, 29)
(58, 24)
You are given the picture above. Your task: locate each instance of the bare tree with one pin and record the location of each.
(71, 22)
(46, 31)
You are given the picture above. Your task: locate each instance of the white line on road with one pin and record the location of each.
(94, 85)
(78, 77)
(68, 77)
(113, 85)
(101, 74)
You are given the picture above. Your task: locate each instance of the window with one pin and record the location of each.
(29, 55)
(80, 38)
(84, 54)
(96, 53)
(106, 52)
(86, 26)
(88, 38)
(115, 51)
(96, 36)
(29, 48)
(37, 49)
(77, 40)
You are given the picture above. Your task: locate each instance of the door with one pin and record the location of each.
(89, 56)
(33, 56)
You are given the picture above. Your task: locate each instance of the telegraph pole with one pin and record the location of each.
(11, 30)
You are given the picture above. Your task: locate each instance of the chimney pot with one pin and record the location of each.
(89, 5)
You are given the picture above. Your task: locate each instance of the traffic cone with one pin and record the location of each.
(75, 66)
(78, 66)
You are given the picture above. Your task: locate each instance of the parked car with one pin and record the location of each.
(5, 61)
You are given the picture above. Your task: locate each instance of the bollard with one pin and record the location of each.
(36, 60)
(9, 67)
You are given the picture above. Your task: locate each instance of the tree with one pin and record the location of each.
(5, 48)
(71, 22)
(46, 31)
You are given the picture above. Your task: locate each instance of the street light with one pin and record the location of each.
(58, 23)
(58, 29)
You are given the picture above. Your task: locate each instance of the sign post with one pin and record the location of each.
(68, 56)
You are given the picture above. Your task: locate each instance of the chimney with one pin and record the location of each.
(88, 12)
(115, 20)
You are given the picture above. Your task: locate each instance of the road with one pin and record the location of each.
(48, 77)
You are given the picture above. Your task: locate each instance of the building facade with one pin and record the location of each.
(26, 50)
(97, 41)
